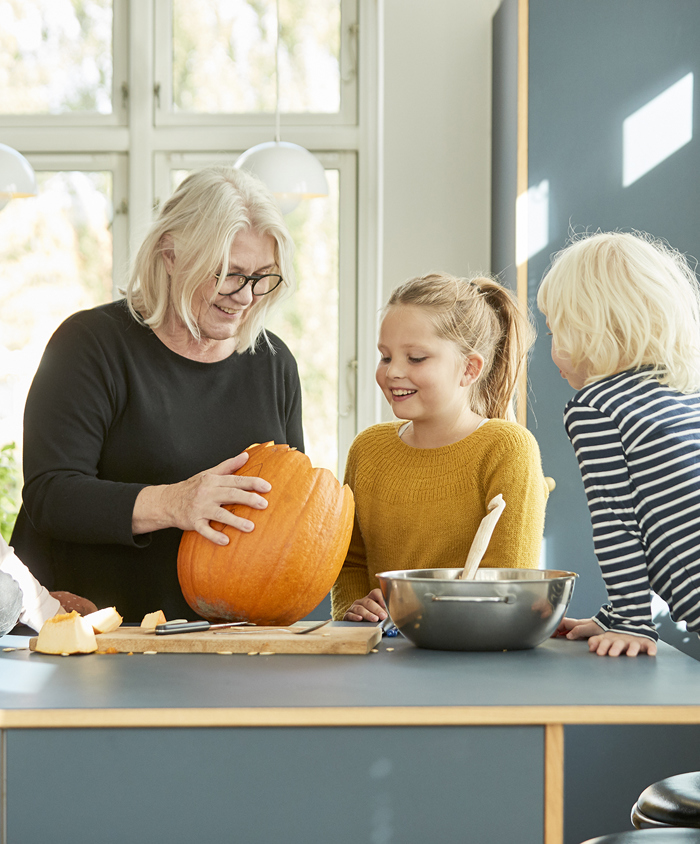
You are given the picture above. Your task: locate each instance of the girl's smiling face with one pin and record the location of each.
(423, 377)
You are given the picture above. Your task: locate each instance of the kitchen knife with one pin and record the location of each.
(193, 626)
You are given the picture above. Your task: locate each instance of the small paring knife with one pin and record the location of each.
(241, 627)
(193, 626)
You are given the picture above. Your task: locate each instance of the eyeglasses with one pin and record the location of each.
(260, 285)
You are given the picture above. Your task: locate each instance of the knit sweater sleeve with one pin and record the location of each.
(616, 535)
(353, 580)
(70, 407)
(515, 471)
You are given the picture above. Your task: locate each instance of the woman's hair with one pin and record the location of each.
(617, 301)
(479, 316)
(199, 224)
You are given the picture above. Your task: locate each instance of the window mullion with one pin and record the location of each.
(163, 48)
(141, 102)
(120, 61)
(347, 307)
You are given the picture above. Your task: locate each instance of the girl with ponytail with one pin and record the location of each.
(451, 352)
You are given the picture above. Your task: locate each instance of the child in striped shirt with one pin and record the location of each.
(624, 315)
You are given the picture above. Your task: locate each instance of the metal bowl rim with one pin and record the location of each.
(554, 574)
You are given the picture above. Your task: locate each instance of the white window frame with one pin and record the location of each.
(163, 115)
(135, 145)
(120, 88)
(85, 163)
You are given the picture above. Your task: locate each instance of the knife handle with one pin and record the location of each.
(181, 627)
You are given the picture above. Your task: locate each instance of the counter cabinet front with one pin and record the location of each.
(400, 745)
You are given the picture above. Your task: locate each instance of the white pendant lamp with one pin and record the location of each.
(290, 171)
(17, 178)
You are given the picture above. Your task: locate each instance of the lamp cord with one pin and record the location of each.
(277, 76)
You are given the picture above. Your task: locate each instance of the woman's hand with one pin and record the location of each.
(605, 643)
(192, 504)
(369, 608)
(70, 602)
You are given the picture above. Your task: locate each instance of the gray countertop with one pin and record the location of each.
(556, 674)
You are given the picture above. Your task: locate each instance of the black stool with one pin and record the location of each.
(649, 836)
(673, 802)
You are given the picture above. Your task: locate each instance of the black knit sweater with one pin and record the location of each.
(112, 410)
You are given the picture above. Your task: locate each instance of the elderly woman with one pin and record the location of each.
(141, 409)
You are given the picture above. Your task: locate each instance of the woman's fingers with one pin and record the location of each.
(232, 464)
(218, 537)
(193, 503)
(200, 499)
(226, 517)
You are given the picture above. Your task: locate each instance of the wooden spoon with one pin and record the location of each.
(483, 535)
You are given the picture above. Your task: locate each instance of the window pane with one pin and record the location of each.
(56, 258)
(233, 43)
(55, 56)
(308, 321)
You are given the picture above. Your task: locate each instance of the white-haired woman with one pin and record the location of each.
(141, 409)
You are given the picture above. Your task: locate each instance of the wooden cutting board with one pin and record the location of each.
(326, 640)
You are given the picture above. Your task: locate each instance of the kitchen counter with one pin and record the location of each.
(394, 745)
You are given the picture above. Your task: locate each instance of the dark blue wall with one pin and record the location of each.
(592, 64)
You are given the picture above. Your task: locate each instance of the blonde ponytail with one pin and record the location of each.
(497, 388)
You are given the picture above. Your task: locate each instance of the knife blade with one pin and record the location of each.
(300, 631)
(193, 626)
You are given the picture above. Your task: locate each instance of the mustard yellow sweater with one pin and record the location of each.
(420, 508)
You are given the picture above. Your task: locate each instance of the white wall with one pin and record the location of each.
(437, 137)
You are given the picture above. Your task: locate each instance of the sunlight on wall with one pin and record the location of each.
(657, 130)
(531, 222)
(673, 632)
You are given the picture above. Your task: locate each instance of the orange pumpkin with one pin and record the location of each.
(279, 572)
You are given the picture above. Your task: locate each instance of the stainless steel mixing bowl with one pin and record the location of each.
(501, 609)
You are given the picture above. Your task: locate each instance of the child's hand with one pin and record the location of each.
(605, 643)
(578, 628)
(369, 608)
(611, 643)
(70, 602)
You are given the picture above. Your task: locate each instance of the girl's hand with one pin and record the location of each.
(369, 608)
(611, 643)
(192, 504)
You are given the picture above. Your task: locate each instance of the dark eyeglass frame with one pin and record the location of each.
(253, 279)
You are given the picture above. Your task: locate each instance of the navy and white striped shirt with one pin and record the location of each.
(638, 447)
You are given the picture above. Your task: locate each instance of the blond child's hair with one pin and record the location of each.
(199, 223)
(479, 316)
(616, 301)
